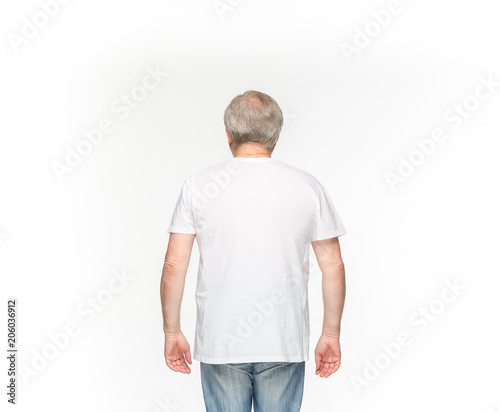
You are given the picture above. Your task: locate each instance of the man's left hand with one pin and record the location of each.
(177, 352)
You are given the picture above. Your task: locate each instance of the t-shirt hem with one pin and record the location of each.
(249, 359)
(176, 229)
(329, 235)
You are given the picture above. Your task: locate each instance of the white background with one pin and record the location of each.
(349, 122)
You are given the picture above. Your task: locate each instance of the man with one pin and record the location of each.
(254, 219)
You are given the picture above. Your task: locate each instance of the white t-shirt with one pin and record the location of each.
(254, 220)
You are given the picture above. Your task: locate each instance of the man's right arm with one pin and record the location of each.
(327, 352)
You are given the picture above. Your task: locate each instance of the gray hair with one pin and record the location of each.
(254, 117)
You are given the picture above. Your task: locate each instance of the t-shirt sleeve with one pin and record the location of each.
(328, 223)
(182, 218)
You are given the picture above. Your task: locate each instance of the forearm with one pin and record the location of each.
(334, 291)
(171, 291)
(173, 279)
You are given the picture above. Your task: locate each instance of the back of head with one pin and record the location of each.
(254, 117)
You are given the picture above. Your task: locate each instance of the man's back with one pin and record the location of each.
(254, 220)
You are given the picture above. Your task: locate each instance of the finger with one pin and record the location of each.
(323, 370)
(333, 367)
(188, 355)
(317, 357)
(179, 367)
(336, 366)
(326, 370)
(329, 370)
(182, 365)
(174, 363)
(184, 368)
(171, 365)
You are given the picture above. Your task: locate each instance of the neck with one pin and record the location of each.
(251, 151)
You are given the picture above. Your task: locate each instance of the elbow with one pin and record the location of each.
(333, 269)
(336, 267)
(170, 265)
(170, 268)
(339, 265)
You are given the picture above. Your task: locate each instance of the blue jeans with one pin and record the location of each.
(273, 386)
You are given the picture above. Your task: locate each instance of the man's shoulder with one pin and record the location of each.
(228, 166)
(302, 174)
(213, 168)
(231, 167)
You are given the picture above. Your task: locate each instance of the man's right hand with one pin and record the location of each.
(327, 355)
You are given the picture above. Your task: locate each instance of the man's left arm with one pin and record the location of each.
(177, 349)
